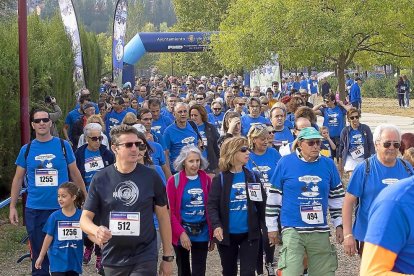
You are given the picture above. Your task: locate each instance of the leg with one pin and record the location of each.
(198, 258)
(183, 260)
(35, 220)
(145, 269)
(322, 258)
(228, 257)
(291, 253)
(87, 253)
(248, 252)
(118, 270)
(259, 261)
(270, 254)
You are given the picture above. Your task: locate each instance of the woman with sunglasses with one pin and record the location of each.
(217, 114)
(263, 160)
(91, 158)
(356, 143)
(307, 192)
(188, 192)
(236, 208)
(97, 118)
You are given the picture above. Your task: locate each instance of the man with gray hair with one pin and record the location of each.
(369, 178)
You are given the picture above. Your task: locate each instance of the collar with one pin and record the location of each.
(299, 155)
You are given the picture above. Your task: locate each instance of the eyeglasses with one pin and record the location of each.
(44, 120)
(311, 143)
(139, 145)
(100, 138)
(114, 87)
(265, 103)
(217, 109)
(241, 104)
(244, 149)
(199, 99)
(388, 144)
(353, 118)
(182, 111)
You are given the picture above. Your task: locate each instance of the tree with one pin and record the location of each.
(310, 32)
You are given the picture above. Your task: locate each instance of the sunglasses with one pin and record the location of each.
(114, 87)
(353, 118)
(387, 145)
(241, 104)
(216, 109)
(139, 145)
(199, 99)
(244, 149)
(44, 120)
(311, 143)
(96, 138)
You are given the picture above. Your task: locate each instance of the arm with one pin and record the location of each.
(65, 132)
(317, 108)
(213, 204)
(377, 261)
(346, 107)
(166, 168)
(176, 226)
(165, 232)
(14, 195)
(56, 114)
(101, 233)
(273, 206)
(335, 203)
(347, 209)
(77, 177)
(46, 244)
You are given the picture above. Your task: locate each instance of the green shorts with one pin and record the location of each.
(321, 254)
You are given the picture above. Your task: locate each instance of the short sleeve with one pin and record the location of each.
(68, 120)
(21, 160)
(160, 195)
(356, 183)
(70, 156)
(92, 202)
(276, 179)
(336, 179)
(50, 226)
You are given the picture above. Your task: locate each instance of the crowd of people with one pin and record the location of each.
(188, 165)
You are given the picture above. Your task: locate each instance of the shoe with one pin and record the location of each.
(98, 265)
(270, 269)
(87, 255)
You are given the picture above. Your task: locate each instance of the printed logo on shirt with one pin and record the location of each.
(196, 196)
(45, 157)
(389, 181)
(156, 129)
(127, 192)
(240, 190)
(188, 140)
(332, 119)
(357, 138)
(310, 188)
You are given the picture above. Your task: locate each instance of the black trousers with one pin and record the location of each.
(269, 252)
(89, 244)
(68, 273)
(401, 100)
(198, 259)
(141, 269)
(239, 244)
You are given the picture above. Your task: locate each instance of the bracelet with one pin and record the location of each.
(348, 236)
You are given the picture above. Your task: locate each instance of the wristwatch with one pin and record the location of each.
(168, 258)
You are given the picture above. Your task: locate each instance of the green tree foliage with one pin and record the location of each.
(309, 33)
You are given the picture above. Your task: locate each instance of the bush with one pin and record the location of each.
(379, 88)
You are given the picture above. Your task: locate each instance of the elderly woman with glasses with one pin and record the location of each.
(97, 118)
(356, 142)
(302, 197)
(188, 192)
(263, 160)
(236, 208)
(91, 158)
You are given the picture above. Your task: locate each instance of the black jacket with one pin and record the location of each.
(213, 151)
(107, 157)
(219, 201)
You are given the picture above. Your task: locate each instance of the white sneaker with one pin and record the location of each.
(270, 269)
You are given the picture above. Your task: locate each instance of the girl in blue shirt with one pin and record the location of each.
(63, 241)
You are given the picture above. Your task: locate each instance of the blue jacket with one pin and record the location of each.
(355, 94)
(107, 157)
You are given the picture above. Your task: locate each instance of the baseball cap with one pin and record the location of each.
(309, 133)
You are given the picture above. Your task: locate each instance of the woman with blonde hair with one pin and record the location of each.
(236, 207)
(129, 119)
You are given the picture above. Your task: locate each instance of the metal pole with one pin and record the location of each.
(24, 80)
(24, 74)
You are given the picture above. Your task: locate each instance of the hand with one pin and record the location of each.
(339, 235)
(273, 238)
(39, 261)
(233, 123)
(185, 241)
(14, 216)
(53, 100)
(103, 235)
(211, 246)
(166, 268)
(218, 234)
(149, 136)
(350, 246)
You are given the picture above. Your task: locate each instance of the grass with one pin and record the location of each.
(386, 107)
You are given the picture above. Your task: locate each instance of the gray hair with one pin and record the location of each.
(278, 105)
(383, 127)
(180, 104)
(185, 151)
(90, 127)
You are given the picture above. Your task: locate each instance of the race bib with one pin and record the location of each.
(312, 214)
(124, 223)
(357, 152)
(69, 231)
(46, 177)
(255, 192)
(94, 164)
(204, 141)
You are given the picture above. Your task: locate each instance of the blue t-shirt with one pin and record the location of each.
(168, 114)
(93, 164)
(216, 120)
(46, 170)
(306, 187)
(355, 93)
(157, 155)
(247, 122)
(64, 255)
(130, 109)
(113, 119)
(193, 208)
(176, 138)
(160, 172)
(304, 84)
(391, 224)
(296, 85)
(264, 165)
(355, 138)
(71, 118)
(238, 205)
(285, 135)
(334, 119)
(159, 126)
(313, 84)
(367, 190)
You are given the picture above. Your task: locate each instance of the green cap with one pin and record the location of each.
(309, 133)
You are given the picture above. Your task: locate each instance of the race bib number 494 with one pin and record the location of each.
(312, 214)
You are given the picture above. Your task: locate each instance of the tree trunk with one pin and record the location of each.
(341, 77)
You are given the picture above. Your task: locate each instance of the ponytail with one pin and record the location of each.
(73, 190)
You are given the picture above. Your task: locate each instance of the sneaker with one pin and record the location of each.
(270, 269)
(87, 255)
(98, 265)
